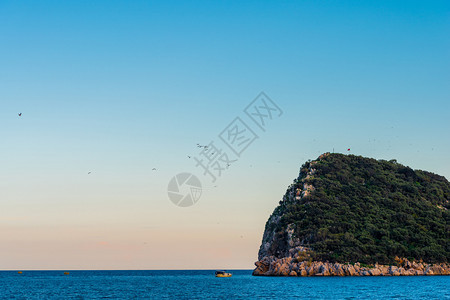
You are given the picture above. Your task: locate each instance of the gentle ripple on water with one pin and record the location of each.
(198, 284)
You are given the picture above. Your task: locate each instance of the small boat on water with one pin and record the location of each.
(223, 274)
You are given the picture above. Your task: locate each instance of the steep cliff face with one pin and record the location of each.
(283, 243)
(345, 209)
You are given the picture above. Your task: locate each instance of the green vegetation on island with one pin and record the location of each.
(348, 208)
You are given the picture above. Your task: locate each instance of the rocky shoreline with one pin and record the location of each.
(288, 266)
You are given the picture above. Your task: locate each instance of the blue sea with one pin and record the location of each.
(201, 284)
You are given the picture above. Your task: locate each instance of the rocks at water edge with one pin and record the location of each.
(288, 266)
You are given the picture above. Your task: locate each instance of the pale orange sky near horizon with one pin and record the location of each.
(124, 235)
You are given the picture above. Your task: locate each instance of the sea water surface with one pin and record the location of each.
(201, 284)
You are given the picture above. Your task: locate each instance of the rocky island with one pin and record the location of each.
(348, 215)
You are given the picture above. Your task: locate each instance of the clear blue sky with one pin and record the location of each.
(117, 88)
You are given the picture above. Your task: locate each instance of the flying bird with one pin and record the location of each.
(89, 172)
(154, 169)
(20, 114)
